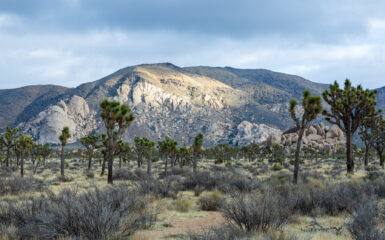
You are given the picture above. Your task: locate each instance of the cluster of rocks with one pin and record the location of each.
(318, 137)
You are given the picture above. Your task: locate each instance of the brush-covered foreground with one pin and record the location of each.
(247, 200)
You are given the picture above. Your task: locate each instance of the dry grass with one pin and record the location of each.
(182, 214)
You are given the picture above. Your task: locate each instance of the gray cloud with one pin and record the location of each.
(68, 42)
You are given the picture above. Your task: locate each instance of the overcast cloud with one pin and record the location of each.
(69, 42)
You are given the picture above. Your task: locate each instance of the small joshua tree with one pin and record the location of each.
(378, 132)
(143, 148)
(7, 141)
(117, 118)
(367, 136)
(348, 108)
(91, 143)
(184, 154)
(197, 148)
(65, 134)
(312, 106)
(24, 143)
(168, 149)
(124, 152)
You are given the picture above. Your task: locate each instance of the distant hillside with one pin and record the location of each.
(230, 105)
(21, 104)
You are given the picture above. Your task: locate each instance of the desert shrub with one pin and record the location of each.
(167, 187)
(256, 212)
(277, 235)
(89, 174)
(198, 190)
(17, 185)
(277, 167)
(363, 223)
(211, 201)
(175, 171)
(226, 181)
(332, 199)
(183, 204)
(217, 233)
(96, 214)
(125, 174)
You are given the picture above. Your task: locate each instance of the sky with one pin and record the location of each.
(69, 42)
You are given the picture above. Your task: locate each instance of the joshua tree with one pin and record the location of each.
(7, 141)
(184, 154)
(197, 147)
(45, 152)
(366, 135)
(168, 149)
(116, 118)
(143, 149)
(378, 132)
(312, 106)
(124, 152)
(348, 108)
(91, 143)
(65, 134)
(25, 142)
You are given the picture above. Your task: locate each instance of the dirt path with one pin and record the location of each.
(182, 226)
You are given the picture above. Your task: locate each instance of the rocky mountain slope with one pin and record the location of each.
(231, 105)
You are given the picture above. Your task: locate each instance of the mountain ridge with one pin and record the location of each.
(168, 100)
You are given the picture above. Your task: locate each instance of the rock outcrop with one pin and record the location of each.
(319, 137)
(47, 125)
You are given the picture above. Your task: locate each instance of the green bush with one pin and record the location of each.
(211, 201)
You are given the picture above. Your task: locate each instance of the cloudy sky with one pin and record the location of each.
(69, 42)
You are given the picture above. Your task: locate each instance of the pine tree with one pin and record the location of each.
(312, 106)
(65, 134)
(348, 108)
(197, 148)
(91, 143)
(117, 118)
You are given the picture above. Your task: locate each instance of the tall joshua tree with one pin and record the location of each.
(25, 142)
(348, 108)
(65, 134)
(197, 148)
(312, 106)
(91, 142)
(117, 118)
(378, 132)
(7, 141)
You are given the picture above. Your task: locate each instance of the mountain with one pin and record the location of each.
(18, 105)
(226, 104)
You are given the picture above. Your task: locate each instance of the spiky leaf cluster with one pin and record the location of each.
(349, 106)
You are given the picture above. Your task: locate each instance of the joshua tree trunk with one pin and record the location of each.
(62, 161)
(149, 163)
(296, 163)
(22, 164)
(104, 163)
(181, 162)
(110, 159)
(166, 166)
(349, 159)
(120, 161)
(89, 159)
(7, 159)
(366, 159)
(381, 156)
(195, 163)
